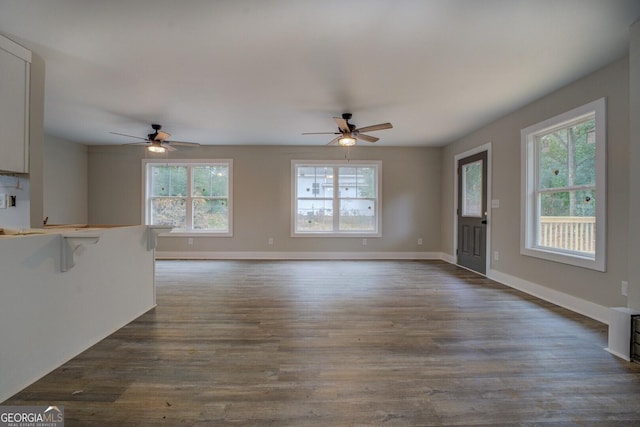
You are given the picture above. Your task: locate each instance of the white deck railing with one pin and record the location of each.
(574, 233)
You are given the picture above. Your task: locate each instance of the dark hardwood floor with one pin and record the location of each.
(344, 343)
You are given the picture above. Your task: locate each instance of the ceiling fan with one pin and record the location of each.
(348, 133)
(158, 141)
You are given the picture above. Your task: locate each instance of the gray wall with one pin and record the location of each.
(262, 197)
(634, 170)
(65, 181)
(611, 82)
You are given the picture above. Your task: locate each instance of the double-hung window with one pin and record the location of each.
(563, 187)
(190, 195)
(336, 198)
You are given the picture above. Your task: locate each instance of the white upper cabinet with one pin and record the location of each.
(15, 65)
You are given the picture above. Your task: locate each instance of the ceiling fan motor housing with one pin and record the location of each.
(347, 117)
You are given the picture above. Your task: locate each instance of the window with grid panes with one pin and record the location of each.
(563, 194)
(336, 199)
(191, 196)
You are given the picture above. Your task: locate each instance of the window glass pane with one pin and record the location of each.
(472, 189)
(357, 182)
(169, 211)
(584, 146)
(567, 221)
(348, 183)
(159, 181)
(568, 203)
(357, 215)
(168, 180)
(210, 181)
(210, 214)
(552, 150)
(567, 156)
(315, 182)
(314, 215)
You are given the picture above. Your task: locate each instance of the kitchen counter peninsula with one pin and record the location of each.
(65, 288)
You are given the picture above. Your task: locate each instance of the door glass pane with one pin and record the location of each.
(472, 189)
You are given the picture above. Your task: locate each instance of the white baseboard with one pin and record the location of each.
(309, 255)
(451, 259)
(570, 302)
(617, 354)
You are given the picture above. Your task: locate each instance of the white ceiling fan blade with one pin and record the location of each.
(129, 136)
(162, 136)
(168, 147)
(183, 143)
(380, 126)
(334, 140)
(364, 137)
(342, 124)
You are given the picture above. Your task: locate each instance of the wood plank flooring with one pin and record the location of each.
(344, 343)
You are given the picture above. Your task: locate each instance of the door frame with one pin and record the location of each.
(485, 147)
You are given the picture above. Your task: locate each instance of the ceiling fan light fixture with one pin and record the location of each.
(347, 141)
(156, 148)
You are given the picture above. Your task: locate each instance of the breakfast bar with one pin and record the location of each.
(66, 288)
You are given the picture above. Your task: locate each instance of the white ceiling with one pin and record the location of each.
(264, 71)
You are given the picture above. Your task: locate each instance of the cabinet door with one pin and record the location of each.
(14, 113)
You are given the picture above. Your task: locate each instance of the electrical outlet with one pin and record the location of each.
(420, 241)
(270, 241)
(190, 241)
(496, 256)
(364, 242)
(624, 288)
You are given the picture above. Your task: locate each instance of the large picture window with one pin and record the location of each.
(191, 196)
(335, 199)
(564, 187)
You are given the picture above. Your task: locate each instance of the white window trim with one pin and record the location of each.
(188, 162)
(529, 177)
(332, 163)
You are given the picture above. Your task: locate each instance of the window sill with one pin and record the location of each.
(563, 258)
(180, 233)
(345, 235)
